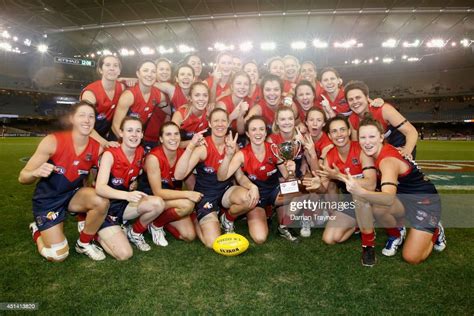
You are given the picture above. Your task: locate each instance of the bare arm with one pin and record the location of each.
(38, 166)
(189, 159)
(392, 116)
(126, 100)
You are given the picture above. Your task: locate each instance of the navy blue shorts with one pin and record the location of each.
(423, 211)
(115, 213)
(51, 212)
(210, 203)
(268, 196)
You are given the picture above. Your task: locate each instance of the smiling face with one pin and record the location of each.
(219, 123)
(147, 74)
(131, 133)
(357, 101)
(315, 123)
(285, 120)
(257, 131)
(236, 64)
(370, 139)
(199, 96)
(111, 68)
(241, 86)
(225, 65)
(195, 62)
(170, 137)
(272, 92)
(305, 97)
(83, 120)
(277, 68)
(308, 72)
(291, 68)
(185, 77)
(252, 70)
(339, 133)
(330, 82)
(163, 71)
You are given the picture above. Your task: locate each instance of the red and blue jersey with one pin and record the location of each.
(167, 171)
(268, 113)
(206, 178)
(191, 123)
(413, 181)
(339, 104)
(230, 106)
(219, 89)
(144, 109)
(264, 174)
(105, 107)
(123, 172)
(70, 170)
(352, 163)
(322, 143)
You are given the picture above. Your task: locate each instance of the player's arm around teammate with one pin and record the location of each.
(60, 164)
(116, 180)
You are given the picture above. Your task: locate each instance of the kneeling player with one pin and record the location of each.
(61, 162)
(417, 199)
(118, 171)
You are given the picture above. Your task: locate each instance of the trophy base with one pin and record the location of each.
(288, 187)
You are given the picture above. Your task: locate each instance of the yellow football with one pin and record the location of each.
(230, 244)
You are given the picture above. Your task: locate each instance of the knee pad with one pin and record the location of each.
(57, 252)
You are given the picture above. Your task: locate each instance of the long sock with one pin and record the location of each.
(393, 232)
(434, 238)
(166, 217)
(81, 217)
(229, 216)
(285, 221)
(36, 235)
(138, 227)
(86, 238)
(368, 239)
(173, 231)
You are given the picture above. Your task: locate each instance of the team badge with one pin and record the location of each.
(208, 205)
(355, 161)
(52, 216)
(89, 157)
(59, 170)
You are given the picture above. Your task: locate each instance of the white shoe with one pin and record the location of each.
(137, 239)
(392, 244)
(305, 230)
(158, 234)
(226, 225)
(91, 250)
(33, 228)
(440, 243)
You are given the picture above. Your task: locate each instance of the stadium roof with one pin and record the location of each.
(83, 26)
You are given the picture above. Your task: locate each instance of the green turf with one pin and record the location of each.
(274, 278)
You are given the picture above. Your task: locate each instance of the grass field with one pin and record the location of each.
(274, 278)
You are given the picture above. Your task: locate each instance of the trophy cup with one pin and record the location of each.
(287, 151)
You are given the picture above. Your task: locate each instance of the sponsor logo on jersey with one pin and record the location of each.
(81, 172)
(117, 181)
(75, 162)
(113, 106)
(262, 168)
(146, 109)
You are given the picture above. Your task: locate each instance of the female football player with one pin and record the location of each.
(160, 181)
(195, 62)
(206, 154)
(258, 163)
(117, 181)
(218, 81)
(405, 192)
(304, 98)
(179, 92)
(334, 101)
(255, 92)
(292, 68)
(61, 163)
(308, 72)
(163, 70)
(142, 100)
(276, 67)
(397, 130)
(104, 95)
(192, 117)
(315, 122)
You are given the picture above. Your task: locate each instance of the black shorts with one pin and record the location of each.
(423, 211)
(210, 203)
(50, 212)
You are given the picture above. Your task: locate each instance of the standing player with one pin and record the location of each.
(117, 181)
(406, 192)
(206, 154)
(258, 163)
(397, 130)
(142, 100)
(255, 92)
(195, 62)
(104, 94)
(192, 117)
(163, 70)
(160, 181)
(334, 101)
(218, 81)
(61, 163)
(308, 72)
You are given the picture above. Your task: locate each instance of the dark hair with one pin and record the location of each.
(144, 61)
(184, 66)
(338, 117)
(314, 109)
(100, 62)
(215, 110)
(73, 109)
(271, 77)
(356, 85)
(165, 125)
(330, 69)
(129, 118)
(254, 118)
(305, 83)
(368, 120)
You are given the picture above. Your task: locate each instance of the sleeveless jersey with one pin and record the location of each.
(264, 174)
(219, 89)
(104, 106)
(321, 143)
(179, 98)
(192, 123)
(353, 162)
(339, 105)
(230, 106)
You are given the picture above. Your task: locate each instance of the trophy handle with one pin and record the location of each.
(299, 147)
(274, 147)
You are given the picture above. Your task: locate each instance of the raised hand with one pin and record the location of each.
(231, 144)
(331, 173)
(352, 185)
(312, 183)
(404, 152)
(44, 170)
(198, 139)
(376, 103)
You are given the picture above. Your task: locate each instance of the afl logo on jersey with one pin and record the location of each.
(117, 181)
(146, 109)
(59, 170)
(252, 177)
(355, 161)
(208, 170)
(101, 116)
